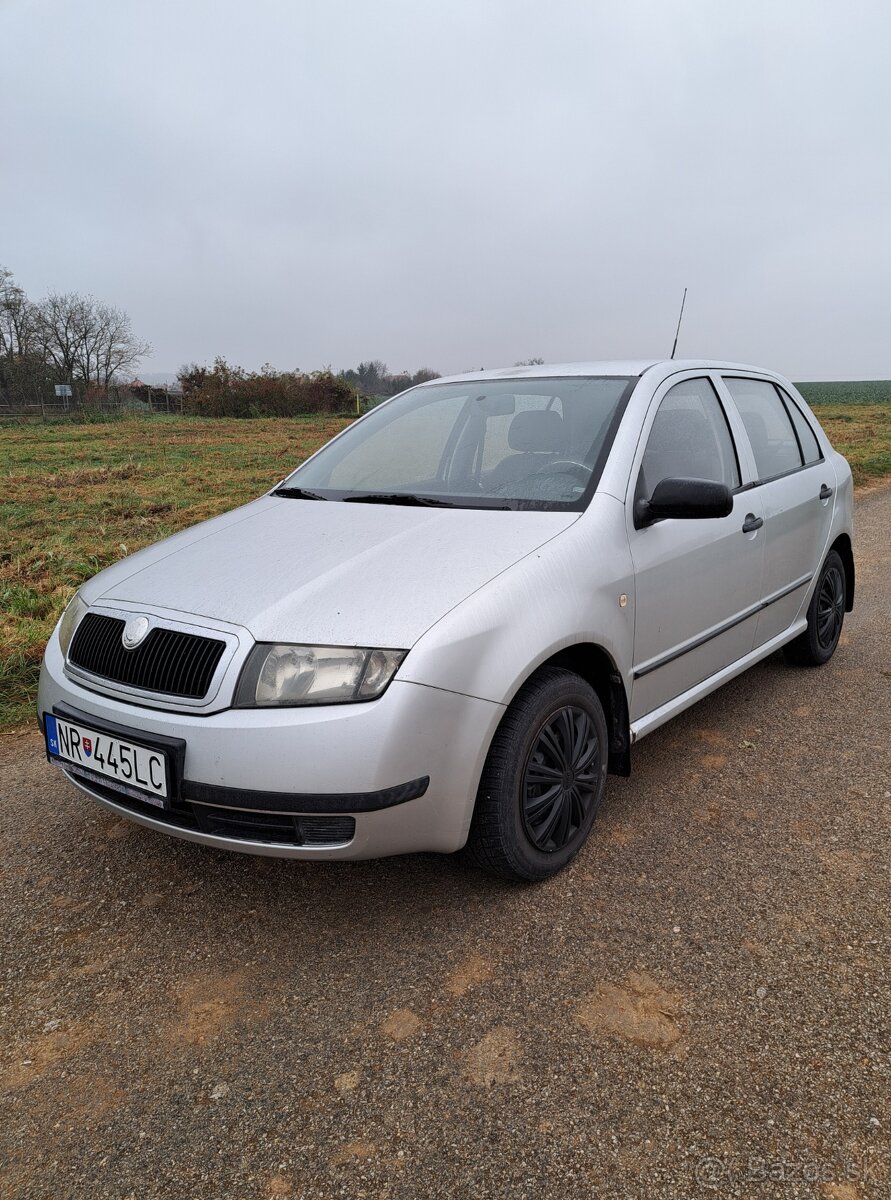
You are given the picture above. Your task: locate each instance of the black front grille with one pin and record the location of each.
(167, 661)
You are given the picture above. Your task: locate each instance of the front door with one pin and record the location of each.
(697, 582)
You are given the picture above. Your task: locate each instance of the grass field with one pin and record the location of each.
(862, 433)
(76, 497)
(858, 391)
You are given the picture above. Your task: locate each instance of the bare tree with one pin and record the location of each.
(424, 375)
(24, 377)
(372, 376)
(86, 340)
(17, 318)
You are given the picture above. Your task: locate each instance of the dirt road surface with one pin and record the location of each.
(699, 1006)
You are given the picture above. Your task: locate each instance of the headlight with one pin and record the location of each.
(69, 620)
(287, 675)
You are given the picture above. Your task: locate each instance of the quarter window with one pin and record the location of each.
(767, 423)
(810, 447)
(689, 439)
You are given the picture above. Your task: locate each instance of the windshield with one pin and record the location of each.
(506, 443)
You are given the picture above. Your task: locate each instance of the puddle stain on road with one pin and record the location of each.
(640, 1011)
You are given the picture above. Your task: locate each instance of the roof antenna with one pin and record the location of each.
(680, 318)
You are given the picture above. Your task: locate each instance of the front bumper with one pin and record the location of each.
(403, 769)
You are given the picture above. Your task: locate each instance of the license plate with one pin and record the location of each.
(133, 769)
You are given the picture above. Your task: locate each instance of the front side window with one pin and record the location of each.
(530, 443)
(689, 439)
(767, 423)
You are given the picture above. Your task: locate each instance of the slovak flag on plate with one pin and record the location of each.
(88, 746)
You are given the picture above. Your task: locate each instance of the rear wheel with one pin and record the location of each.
(543, 780)
(825, 616)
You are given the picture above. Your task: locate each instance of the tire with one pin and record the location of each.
(543, 781)
(825, 616)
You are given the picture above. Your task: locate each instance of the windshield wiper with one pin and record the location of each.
(405, 498)
(397, 498)
(295, 493)
(409, 498)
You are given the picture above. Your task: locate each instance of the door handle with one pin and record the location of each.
(825, 492)
(752, 523)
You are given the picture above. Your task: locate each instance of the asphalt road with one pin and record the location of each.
(699, 1006)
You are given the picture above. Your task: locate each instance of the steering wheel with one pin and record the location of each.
(566, 466)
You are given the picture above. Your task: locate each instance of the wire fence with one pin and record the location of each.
(124, 401)
(86, 403)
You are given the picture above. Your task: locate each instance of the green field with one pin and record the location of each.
(77, 497)
(864, 391)
(862, 433)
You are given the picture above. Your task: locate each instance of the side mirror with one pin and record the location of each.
(685, 499)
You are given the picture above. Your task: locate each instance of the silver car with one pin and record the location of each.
(449, 624)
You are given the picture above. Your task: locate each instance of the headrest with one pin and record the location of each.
(756, 428)
(539, 429)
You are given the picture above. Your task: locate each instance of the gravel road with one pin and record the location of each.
(699, 1006)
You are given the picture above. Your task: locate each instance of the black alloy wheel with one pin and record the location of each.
(544, 778)
(560, 780)
(830, 607)
(825, 617)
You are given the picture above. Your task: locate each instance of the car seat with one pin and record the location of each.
(538, 436)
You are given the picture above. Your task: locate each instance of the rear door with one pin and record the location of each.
(797, 490)
(697, 582)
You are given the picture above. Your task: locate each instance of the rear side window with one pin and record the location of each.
(810, 447)
(767, 423)
(690, 439)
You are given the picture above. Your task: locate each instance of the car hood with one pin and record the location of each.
(325, 572)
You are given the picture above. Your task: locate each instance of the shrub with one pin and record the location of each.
(229, 391)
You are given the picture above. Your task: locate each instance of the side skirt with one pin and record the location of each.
(646, 724)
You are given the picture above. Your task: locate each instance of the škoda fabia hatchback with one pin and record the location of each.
(449, 624)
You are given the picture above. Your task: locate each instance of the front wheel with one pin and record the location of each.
(825, 615)
(543, 780)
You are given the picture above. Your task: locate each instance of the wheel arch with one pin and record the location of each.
(842, 546)
(596, 666)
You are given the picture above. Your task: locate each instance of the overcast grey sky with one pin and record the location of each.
(458, 184)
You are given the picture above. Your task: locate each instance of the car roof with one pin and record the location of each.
(621, 367)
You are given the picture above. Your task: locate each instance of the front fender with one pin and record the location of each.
(564, 593)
